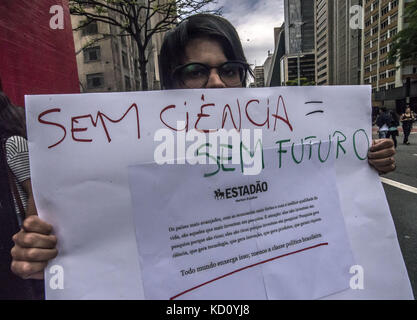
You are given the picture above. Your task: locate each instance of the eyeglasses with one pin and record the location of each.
(196, 75)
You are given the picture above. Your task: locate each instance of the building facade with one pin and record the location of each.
(383, 20)
(259, 80)
(299, 58)
(111, 63)
(274, 75)
(338, 42)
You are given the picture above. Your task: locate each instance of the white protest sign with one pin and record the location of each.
(276, 235)
(82, 145)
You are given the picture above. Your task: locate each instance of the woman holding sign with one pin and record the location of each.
(208, 55)
(16, 198)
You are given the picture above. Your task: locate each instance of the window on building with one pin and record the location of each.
(393, 18)
(92, 54)
(90, 28)
(322, 61)
(95, 80)
(393, 32)
(125, 61)
(128, 86)
(391, 73)
(384, 24)
(374, 79)
(123, 40)
(116, 54)
(322, 68)
(375, 30)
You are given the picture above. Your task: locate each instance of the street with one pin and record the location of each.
(402, 199)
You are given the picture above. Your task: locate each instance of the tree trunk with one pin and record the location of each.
(142, 66)
(143, 75)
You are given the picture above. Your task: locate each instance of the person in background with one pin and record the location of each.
(203, 51)
(16, 197)
(407, 119)
(383, 121)
(393, 127)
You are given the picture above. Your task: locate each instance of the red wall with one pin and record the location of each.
(35, 59)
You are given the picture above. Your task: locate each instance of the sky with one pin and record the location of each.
(254, 21)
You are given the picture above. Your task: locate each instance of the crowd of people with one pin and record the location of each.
(209, 54)
(388, 123)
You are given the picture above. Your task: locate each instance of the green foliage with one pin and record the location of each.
(404, 45)
(303, 82)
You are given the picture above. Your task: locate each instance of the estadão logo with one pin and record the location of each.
(241, 191)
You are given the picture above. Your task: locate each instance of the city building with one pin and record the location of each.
(338, 44)
(275, 74)
(383, 20)
(299, 58)
(36, 57)
(259, 76)
(267, 66)
(108, 61)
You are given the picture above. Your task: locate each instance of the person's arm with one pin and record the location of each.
(31, 208)
(381, 155)
(34, 246)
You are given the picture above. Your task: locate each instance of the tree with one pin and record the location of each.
(303, 82)
(404, 45)
(139, 19)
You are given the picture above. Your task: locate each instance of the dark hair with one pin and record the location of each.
(197, 26)
(12, 118)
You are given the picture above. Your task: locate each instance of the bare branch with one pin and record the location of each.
(140, 19)
(90, 44)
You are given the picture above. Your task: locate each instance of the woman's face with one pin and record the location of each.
(407, 110)
(210, 53)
